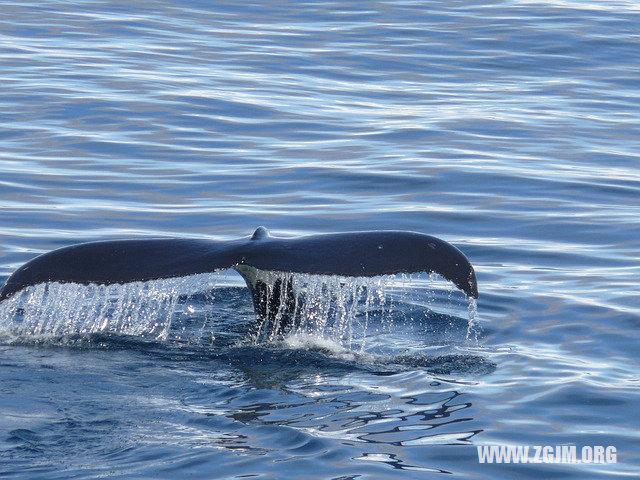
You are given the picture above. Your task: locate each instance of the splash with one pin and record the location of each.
(348, 313)
(143, 309)
(322, 306)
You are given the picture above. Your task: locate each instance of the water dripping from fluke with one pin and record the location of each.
(49, 311)
(343, 315)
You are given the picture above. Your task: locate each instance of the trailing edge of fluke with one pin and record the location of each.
(353, 254)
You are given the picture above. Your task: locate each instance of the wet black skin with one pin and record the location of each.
(351, 254)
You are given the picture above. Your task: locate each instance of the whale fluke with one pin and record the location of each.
(354, 254)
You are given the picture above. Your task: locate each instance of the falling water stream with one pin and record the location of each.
(342, 310)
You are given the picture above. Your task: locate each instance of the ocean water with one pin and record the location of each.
(510, 129)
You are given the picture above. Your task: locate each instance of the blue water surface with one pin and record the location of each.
(508, 128)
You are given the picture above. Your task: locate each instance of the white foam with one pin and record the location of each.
(305, 341)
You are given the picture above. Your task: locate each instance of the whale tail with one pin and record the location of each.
(352, 254)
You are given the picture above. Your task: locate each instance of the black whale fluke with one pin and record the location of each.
(355, 254)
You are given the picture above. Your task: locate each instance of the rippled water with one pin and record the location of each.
(510, 129)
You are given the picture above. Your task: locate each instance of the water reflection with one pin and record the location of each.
(341, 412)
(396, 463)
